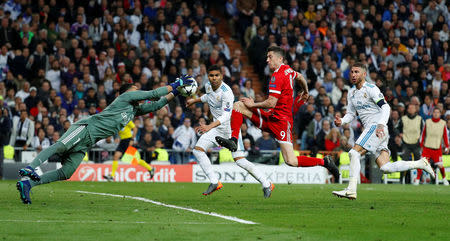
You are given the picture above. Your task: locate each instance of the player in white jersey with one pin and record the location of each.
(220, 99)
(366, 101)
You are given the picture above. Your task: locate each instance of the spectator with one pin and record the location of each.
(149, 128)
(184, 141)
(266, 142)
(347, 140)
(25, 92)
(247, 90)
(246, 136)
(320, 138)
(332, 140)
(22, 130)
(147, 145)
(5, 129)
(205, 45)
(32, 100)
(252, 30)
(40, 142)
(313, 129)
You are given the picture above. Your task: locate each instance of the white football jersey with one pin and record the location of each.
(220, 104)
(363, 103)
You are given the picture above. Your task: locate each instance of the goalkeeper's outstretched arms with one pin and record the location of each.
(152, 106)
(131, 94)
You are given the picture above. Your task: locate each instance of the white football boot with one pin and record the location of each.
(425, 165)
(346, 193)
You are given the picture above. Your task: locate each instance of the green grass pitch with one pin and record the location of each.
(294, 212)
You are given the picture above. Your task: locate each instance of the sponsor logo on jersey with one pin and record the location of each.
(272, 80)
(365, 95)
(380, 95)
(273, 86)
(227, 108)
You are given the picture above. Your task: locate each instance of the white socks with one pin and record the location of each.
(355, 169)
(400, 166)
(255, 172)
(205, 163)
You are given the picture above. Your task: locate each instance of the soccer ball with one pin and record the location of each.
(189, 90)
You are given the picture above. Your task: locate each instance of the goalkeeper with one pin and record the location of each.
(83, 134)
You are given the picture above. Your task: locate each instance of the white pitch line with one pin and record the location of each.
(96, 222)
(231, 218)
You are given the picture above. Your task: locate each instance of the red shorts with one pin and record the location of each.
(432, 154)
(280, 129)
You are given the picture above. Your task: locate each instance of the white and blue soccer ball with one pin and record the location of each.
(189, 90)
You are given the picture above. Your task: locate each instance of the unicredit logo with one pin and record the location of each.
(86, 173)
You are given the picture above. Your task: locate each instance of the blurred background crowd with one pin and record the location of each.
(62, 61)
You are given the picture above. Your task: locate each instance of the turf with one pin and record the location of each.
(294, 212)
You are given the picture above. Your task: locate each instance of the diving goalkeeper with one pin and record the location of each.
(83, 134)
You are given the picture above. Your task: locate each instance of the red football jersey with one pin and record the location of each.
(281, 86)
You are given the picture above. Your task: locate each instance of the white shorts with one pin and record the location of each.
(208, 140)
(370, 141)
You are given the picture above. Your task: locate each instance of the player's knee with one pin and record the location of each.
(59, 147)
(385, 168)
(197, 151)
(65, 172)
(236, 159)
(293, 162)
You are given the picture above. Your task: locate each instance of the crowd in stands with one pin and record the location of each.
(404, 45)
(62, 61)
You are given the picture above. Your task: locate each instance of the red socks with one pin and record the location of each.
(236, 123)
(419, 174)
(442, 171)
(304, 161)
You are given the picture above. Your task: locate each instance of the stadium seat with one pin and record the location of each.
(86, 157)
(281, 159)
(446, 164)
(8, 152)
(344, 166)
(225, 156)
(163, 155)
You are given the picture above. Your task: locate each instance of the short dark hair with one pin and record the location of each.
(124, 88)
(213, 68)
(360, 65)
(277, 49)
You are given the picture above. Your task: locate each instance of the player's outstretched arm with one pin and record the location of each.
(154, 105)
(147, 95)
(192, 101)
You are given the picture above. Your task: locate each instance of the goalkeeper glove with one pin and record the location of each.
(183, 80)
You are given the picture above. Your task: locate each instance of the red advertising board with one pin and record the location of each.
(133, 173)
